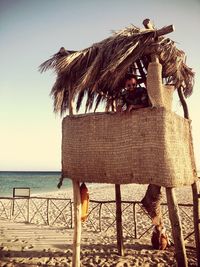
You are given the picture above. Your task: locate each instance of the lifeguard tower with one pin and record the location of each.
(151, 145)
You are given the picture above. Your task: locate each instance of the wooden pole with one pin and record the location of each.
(77, 225)
(119, 220)
(77, 210)
(71, 213)
(177, 232)
(47, 211)
(135, 220)
(196, 211)
(27, 210)
(13, 206)
(183, 103)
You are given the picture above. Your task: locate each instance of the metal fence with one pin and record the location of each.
(102, 218)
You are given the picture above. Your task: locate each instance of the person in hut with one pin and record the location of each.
(132, 96)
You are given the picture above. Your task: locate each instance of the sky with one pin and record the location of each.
(31, 31)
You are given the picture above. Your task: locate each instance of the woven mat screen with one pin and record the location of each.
(144, 146)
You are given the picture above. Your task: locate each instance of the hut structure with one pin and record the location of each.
(151, 145)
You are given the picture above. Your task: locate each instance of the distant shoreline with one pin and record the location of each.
(38, 181)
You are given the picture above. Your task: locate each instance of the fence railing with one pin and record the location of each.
(102, 217)
(39, 210)
(136, 221)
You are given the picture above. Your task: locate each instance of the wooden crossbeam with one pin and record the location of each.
(3, 210)
(38, 211)
(60, 212)
(20, 211)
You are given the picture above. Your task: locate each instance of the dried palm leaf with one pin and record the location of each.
(98, 71)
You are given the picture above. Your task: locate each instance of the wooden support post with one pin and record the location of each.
(77, 225)
(13, 206)
(177, 232)
(196, 211)
(119, 220)
(27, 210)
(135, 220)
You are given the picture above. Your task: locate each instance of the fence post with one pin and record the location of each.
(11, 209)
(28, 210)
(71, 211)
(100, 216)
(47, 211)
(135, 220)
(120, 245)
(13, 206)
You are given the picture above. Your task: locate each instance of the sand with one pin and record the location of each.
(36, 244)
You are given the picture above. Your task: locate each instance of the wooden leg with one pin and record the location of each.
(176, 228)
(119, 220)
(77, 225)
(196, 211)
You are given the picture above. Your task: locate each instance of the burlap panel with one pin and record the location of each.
(145, 146)
(159, 94)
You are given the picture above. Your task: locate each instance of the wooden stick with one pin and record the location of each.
(119, 220)
(135, 220)
(165, 30)
(183, 103)
(196, 211)
(27, 210)
(141, 71)
(47, 211)
(71, 213)
(77, 225)
(180, 251)
(100, 216)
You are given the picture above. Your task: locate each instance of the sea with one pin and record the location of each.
(37, 181)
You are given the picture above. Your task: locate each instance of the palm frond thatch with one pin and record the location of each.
(98, 71)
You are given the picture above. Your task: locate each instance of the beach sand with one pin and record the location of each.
(24, 244)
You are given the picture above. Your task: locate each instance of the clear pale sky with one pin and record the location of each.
(33, 30)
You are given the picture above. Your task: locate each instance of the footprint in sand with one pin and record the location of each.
(29, 247)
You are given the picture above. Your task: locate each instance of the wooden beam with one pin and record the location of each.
(196, 212)
(119, 220)
(142, 73)
(146, 61)
(177, 232)
(77, 225)
(164, 30)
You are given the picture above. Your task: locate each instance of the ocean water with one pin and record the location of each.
(38, 182)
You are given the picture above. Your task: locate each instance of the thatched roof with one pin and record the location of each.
(97, 72)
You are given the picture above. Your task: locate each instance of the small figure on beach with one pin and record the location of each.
(132, 96)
